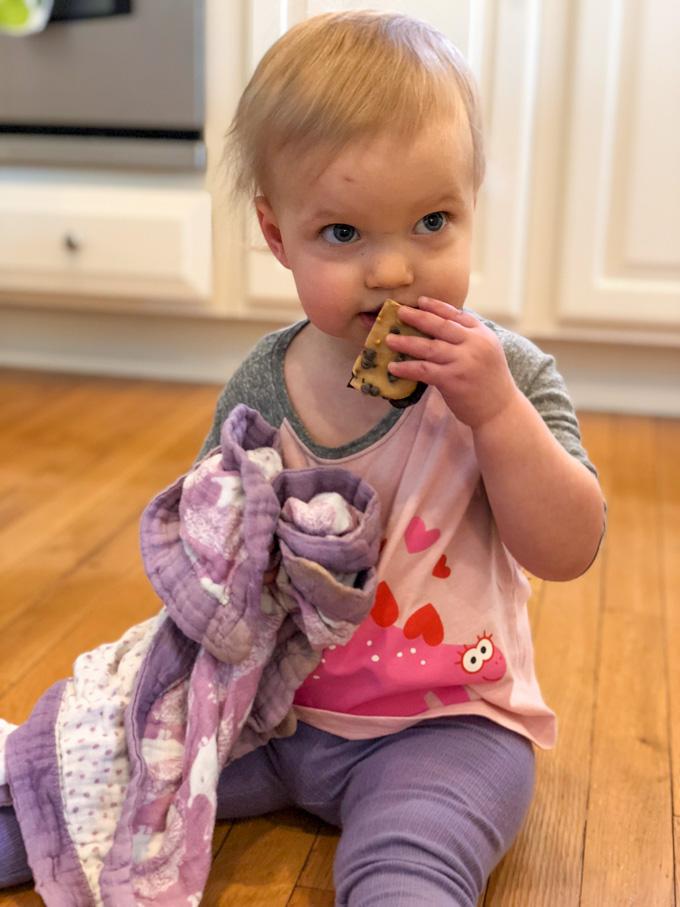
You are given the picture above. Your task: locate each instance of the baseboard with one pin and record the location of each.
(602, 377)
(619, 378)
(167, 348)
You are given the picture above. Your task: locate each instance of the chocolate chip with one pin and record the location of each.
(366, 388)
(368, 358)
(392, 378)
(395, 330)
(374, 391)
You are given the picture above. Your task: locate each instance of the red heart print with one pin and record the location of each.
(441, 568)
(417, 537)
(385, 609)
(427, 623)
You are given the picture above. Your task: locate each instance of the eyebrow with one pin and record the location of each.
(434, 203)
(439, 201)
(326, 214)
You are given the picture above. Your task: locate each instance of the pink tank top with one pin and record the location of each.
(449, 631)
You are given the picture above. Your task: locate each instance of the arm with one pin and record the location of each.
(547, 506)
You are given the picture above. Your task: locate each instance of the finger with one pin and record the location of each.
(433, 325)
(442, 324)
(439, 352)
(417, 370)
(446, 310)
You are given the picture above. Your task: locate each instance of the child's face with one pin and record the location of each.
(383, 219)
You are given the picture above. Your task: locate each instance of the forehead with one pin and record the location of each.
(386, 167)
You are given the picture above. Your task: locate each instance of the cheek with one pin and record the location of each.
(459, 288)
(317, 294)
(458, 274)
(461, 280)
(319, 279)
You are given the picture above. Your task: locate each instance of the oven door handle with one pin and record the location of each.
(73, 10)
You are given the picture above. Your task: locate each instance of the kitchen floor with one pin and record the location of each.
(79, 459)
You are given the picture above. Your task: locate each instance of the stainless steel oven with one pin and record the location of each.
(108, 82)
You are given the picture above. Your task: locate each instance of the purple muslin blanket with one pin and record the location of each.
(259, 568)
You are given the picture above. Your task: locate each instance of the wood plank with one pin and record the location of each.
(42, 425)
(668, 493)
(101, 580)
(53, 537)
(96, 604)
(311, 897)
(220, 834)
(64, 441)
(20, 896)
(628, 855)
(318, 870)
(544, 865)
(117, 466)
(259, 863)
(676, 840)
(22, 393)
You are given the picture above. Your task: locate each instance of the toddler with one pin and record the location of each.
(359, 139)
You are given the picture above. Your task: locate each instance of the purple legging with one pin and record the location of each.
(425, 814)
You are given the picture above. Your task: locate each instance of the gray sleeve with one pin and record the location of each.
(252, 383)
(537, 377)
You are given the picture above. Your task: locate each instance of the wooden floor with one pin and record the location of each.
(79, 458)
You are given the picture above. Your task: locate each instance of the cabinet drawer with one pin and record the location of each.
(106, 241)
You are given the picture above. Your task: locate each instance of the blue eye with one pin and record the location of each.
(432, 223)
(340, 234)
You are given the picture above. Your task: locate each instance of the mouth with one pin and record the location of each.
(368, 318)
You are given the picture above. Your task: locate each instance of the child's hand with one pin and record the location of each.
(464, 360)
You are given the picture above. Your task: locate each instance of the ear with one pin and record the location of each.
(270, 229)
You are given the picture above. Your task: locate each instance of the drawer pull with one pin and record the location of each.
(72, 243)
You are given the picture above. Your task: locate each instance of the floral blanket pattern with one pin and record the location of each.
(259, 568)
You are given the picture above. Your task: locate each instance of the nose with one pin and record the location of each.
(388, 269)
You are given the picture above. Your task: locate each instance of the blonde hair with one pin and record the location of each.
(342, 76)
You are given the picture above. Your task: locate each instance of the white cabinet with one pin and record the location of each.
(620, 258)
(93, 243)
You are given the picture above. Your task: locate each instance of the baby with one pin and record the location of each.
(359, 141)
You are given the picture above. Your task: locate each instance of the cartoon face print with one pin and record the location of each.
(411, 662)
(478, 656)
(387, 669)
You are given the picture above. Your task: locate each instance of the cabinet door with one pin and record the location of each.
(500, 40)
(621, 249)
